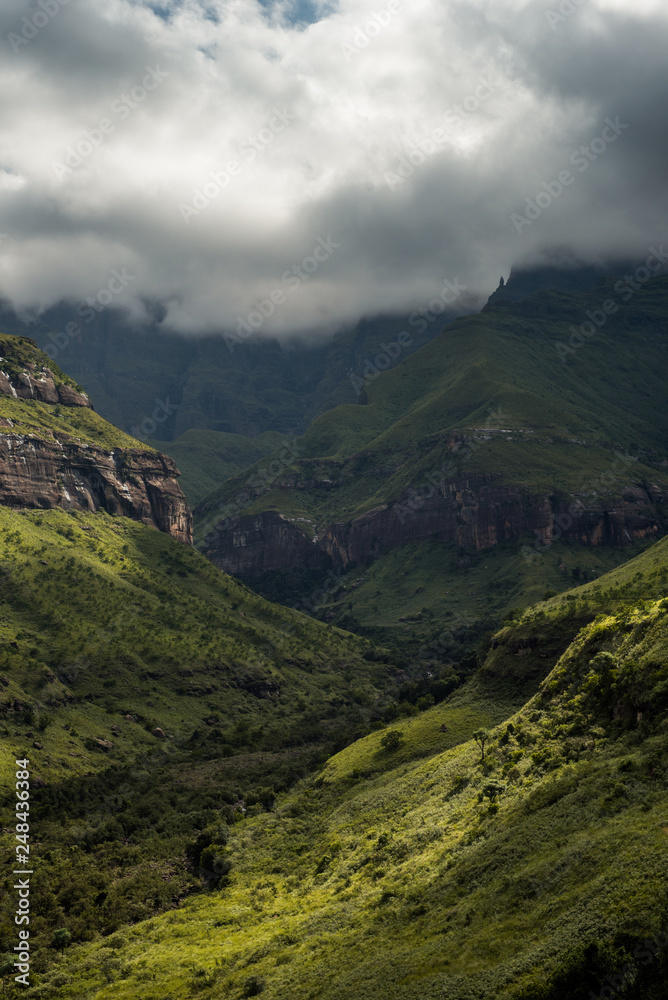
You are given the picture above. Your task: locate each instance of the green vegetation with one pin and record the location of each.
(261, 386)
(531, 419)
(435, 601)
(413, 868)
(490, 397)
(16, 352)
(156, 700)
(231, 799)
(46, 420)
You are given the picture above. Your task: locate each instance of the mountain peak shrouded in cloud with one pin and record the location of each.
(209, 151)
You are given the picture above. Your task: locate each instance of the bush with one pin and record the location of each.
(392, 740)
(61, 938)
(492, 789)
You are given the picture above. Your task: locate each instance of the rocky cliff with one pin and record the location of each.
(56, 452)
(141, 485)
(39, 384)
(475, 513)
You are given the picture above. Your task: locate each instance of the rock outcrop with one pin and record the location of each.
(138, 484)
(38, 383)
(475, 513)
(42, 468)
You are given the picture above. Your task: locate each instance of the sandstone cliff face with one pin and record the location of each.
(46, 469)
(38, 383)
(476, 513)
(138, 484)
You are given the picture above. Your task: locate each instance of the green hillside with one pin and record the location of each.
(230, 798)
(44, 420)
(198, 383)
(428, 600)
(532, 418)
(494, 396)
(153, 696)
(422, 862)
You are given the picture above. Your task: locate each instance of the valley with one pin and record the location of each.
(394, 726)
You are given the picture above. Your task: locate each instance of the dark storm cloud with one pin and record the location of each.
(212, 149)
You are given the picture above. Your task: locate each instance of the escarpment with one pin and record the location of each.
(475, 514)
(56, 452)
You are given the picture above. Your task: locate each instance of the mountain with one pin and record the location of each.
(207, 458)
(221, 393)
(535, 430)
(559, 272)
(55, 451)
(134, 675)
(230, 798)
(508, 842)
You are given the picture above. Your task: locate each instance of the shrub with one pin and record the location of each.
(492, 789)
(392, 740)
(61, 939)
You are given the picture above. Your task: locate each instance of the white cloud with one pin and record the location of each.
(410, 135)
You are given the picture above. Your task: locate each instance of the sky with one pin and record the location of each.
(289, 167)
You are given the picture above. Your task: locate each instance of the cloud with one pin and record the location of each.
(206, 147)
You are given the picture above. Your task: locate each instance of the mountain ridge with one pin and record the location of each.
(484, 437)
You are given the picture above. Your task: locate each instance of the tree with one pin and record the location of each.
(492, 789)
(392, 740)
(481, 737)
(61, 938)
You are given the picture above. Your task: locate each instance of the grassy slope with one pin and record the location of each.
(101, 618)
(425, 599)
(392, 875)
(135, 603)
(497, 370)
(16, 351)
